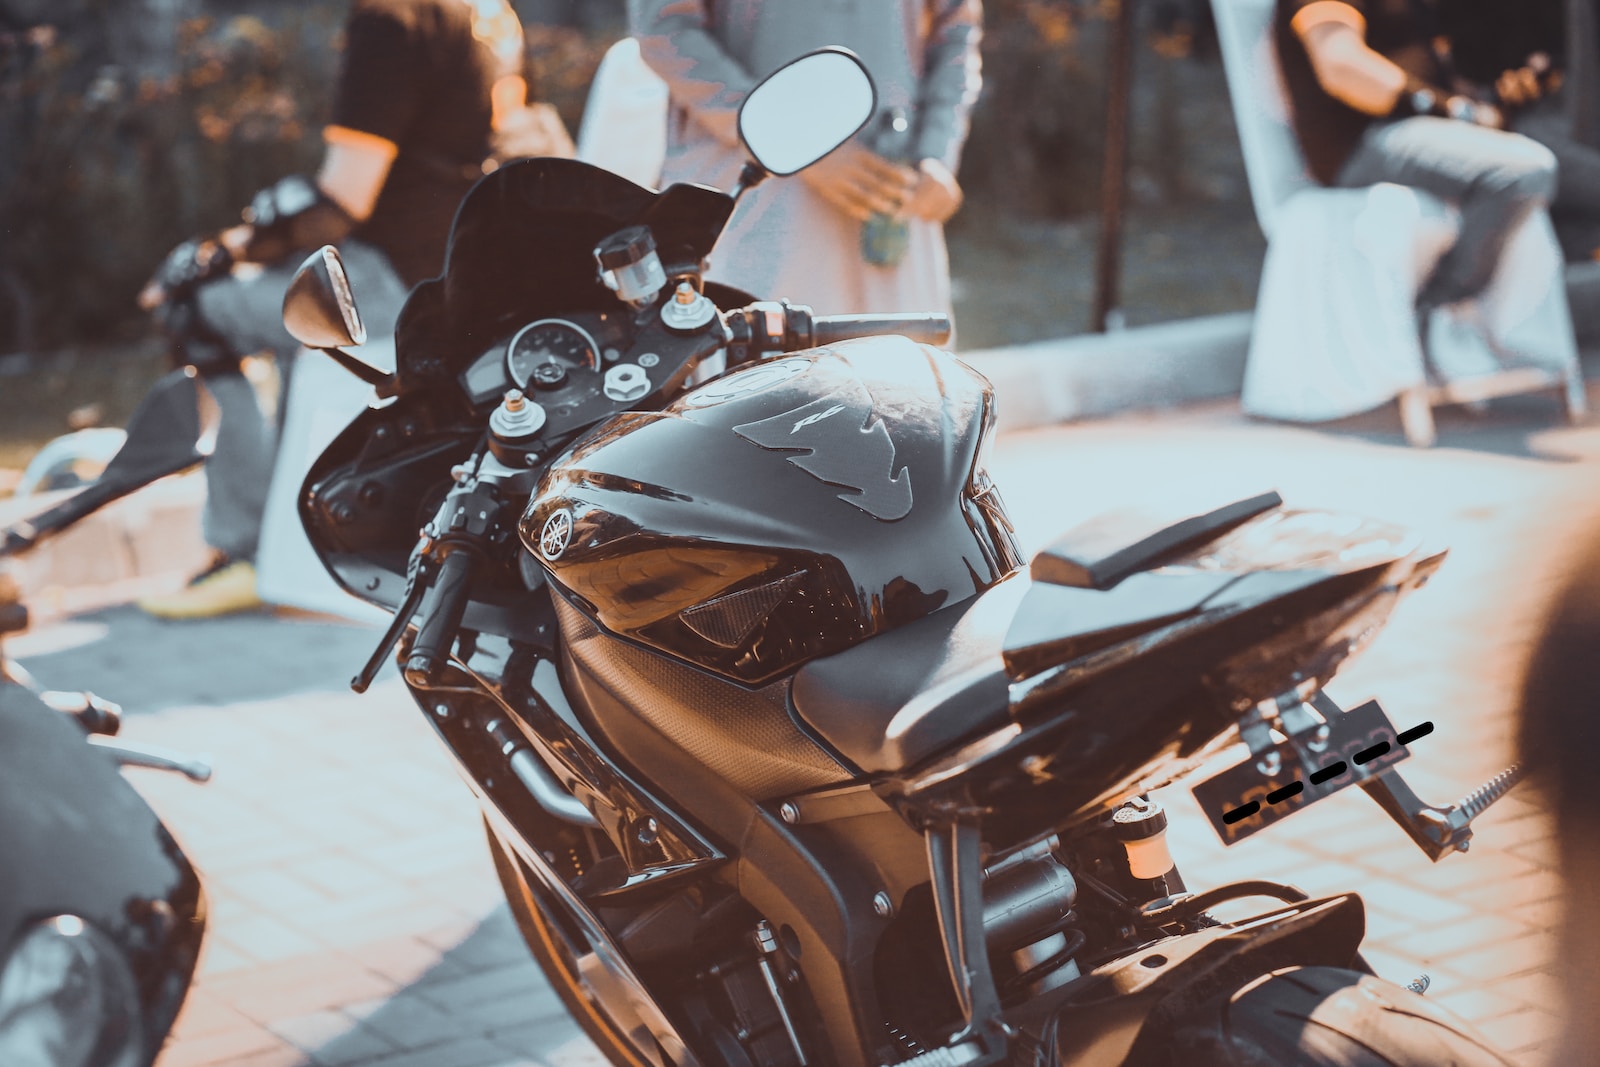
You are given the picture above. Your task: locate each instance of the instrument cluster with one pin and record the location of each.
(554, 360)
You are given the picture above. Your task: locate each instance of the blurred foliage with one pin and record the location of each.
(561, 64)
(103, 169)
(1038, 131)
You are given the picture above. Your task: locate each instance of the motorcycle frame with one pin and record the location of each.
(823, 874)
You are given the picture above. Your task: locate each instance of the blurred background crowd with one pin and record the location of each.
(129, 125)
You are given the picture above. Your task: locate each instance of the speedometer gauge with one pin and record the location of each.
(543, 352)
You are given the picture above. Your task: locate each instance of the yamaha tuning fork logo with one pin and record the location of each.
(556, 535)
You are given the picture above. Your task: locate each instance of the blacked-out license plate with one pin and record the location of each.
(1242, 800)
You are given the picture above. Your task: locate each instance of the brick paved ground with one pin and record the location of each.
(356, 919)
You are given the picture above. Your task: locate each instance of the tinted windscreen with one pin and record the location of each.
(523, 244)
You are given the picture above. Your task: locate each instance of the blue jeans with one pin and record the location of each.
(1494, 178)
(246, 310)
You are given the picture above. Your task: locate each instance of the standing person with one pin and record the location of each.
(862, 230)
(424, 89)
(1370, 102)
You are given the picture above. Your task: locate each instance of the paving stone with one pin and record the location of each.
(204, 1013)
(577, 1052)
(299, 986)
(1523, 1031)
(466, 1052)
(269, 939)
(1465, 935)
(538, 1037)
(327, 1029)
(1504, 959)
(1480, 1003)
(516, 981)
(410, 1021)
(225, 1047)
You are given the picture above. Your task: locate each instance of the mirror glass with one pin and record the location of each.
(805, 110)
(319, 310)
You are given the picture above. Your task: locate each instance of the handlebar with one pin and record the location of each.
(928, 328)
(438, 631)
(767, 327)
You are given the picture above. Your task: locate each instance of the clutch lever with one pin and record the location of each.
(419, 576)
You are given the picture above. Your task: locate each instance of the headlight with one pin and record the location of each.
(67, 999)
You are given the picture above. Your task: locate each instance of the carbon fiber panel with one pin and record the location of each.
(745, 736)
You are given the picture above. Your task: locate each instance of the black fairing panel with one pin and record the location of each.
(77, 840)
(784, 512)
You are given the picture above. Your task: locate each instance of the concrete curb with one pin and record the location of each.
(1049, 382)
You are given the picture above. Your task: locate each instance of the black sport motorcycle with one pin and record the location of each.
(101, 913)
(786, 754)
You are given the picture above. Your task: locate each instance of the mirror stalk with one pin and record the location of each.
(382, 381)
(751, 176)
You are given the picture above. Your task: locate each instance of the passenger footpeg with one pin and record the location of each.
(1438, 831)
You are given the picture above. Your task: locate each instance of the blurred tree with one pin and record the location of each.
(115, 147)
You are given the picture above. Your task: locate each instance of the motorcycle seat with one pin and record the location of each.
(889, 702)
(900, 698)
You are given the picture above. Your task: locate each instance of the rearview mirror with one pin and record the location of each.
(165, 434)
(805, 110)
(319, 310)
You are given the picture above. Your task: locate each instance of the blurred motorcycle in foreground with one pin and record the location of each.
(101, 914)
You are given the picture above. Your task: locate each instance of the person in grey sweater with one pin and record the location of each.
(862, 230)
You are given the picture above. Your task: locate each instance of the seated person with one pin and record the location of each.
(427, 92)
(1513, 53)
(1369, 102)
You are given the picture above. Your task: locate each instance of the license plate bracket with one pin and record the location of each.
(1242, 800)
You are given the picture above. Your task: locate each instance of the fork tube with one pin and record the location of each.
(956, 870)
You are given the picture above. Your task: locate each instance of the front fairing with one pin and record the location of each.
(76, 839)
(521, 248)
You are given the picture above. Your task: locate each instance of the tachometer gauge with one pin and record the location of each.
(543, 352)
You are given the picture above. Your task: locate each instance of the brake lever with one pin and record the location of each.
(419, 576)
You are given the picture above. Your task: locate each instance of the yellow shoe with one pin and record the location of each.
(223, 588)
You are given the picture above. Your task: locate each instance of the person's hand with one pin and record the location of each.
(859, 182)
(937, 194)
(1515, 88)
(1529, 82)
(186, 268)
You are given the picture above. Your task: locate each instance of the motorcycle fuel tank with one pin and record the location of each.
(786, 511)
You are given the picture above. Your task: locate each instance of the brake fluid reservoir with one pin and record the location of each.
(629, 265)
(1141, 826)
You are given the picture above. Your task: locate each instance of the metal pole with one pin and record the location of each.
(1114, 176)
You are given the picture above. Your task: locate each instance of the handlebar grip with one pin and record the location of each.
(929, 327)
(438, 631)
